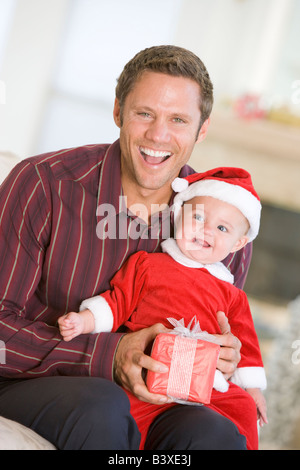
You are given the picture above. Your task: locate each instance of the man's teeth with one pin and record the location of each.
(155, 153)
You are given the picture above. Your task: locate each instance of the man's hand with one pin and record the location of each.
(130, 359)
(230, 351)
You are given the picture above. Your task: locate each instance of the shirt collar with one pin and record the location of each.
(110, 177)
(218, 270)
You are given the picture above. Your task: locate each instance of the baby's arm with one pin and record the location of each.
(74, 324)
(261, 405)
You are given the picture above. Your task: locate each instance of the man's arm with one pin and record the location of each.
(34, 348)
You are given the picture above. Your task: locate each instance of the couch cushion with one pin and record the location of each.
(15, 436)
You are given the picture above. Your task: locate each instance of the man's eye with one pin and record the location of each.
(144, 114)
(177, 119)
(222, 228)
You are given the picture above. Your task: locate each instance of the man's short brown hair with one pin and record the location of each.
(171, 60)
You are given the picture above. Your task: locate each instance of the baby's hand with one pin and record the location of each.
(71, 325)
(261, 405)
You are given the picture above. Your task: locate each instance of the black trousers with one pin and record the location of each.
(92, 413)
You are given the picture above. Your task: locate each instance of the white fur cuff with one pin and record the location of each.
(103, 316)
(250, 377)
(220, 383)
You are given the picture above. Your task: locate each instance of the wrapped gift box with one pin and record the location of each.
(192, 366)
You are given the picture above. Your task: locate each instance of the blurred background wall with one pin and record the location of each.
(59, 62)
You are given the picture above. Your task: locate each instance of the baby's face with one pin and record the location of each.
(209, 229)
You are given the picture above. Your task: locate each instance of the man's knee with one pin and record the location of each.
(223, 434)
(72, 412)
(101, 418)
(191, 428)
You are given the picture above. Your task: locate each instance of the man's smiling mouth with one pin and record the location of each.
(154, 157)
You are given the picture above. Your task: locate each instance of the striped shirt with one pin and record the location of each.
(64, 232)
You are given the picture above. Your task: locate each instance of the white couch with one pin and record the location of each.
(14, 436)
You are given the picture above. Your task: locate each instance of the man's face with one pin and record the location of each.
(158, 129)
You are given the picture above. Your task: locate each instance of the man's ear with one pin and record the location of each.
(203, 131)
(240, 244)
(117, 113)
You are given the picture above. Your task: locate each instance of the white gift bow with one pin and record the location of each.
(192, 331)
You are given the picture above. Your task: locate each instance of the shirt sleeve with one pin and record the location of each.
(35, 348)
(250, 371)
(238, 264)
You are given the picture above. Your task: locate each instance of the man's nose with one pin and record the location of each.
(158, 131)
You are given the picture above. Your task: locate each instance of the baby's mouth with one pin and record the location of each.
(154, 157)
(201, 243)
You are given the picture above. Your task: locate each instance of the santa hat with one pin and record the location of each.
(231, 185)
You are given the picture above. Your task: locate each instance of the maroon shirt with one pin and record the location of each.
(64, 232)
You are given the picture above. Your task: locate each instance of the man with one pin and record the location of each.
(58, 248)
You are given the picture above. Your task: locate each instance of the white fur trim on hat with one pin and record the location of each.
(179, 184)
(233, 194)
(103, 316)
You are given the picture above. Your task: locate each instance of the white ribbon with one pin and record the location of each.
(192, 331)
(180, 375)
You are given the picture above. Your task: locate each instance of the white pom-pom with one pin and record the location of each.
(179, 184)
(220, 384)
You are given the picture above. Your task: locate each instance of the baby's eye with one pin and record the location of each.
(222, 228)
(199, 217)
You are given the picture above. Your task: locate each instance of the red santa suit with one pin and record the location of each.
(149, 288)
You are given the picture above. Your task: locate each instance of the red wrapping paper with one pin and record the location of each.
(192, 365)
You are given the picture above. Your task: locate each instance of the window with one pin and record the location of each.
(6, 16)
(99, 38)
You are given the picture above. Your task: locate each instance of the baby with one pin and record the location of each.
(215, 213)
